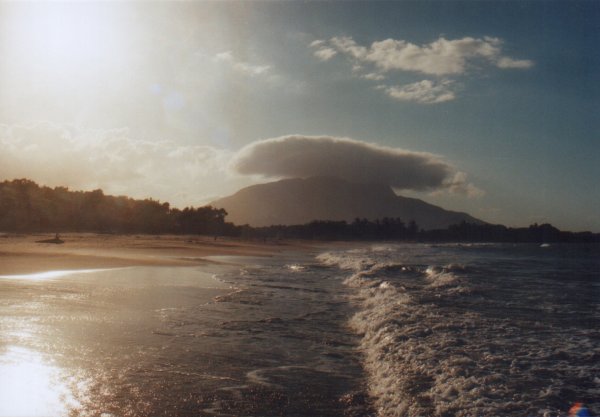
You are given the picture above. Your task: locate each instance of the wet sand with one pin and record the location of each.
(22, 254)
(242, 330)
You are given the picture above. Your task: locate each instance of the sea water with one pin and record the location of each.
(476, 329)
(375, 330)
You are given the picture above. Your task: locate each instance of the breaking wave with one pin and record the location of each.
(451, 339)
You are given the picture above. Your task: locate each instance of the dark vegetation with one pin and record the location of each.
(395, 229)
(28, 207)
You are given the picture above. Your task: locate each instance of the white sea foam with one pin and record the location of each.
(295, 267)
(425, 355)
(345, 260)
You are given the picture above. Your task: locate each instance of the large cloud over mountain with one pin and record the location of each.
(349, 159)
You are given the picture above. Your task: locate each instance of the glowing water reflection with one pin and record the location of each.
(40, 276)
(32, 387)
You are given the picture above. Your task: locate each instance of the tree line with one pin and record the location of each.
(28, 207)
(396, 229)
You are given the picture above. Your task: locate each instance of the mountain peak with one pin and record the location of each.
(302, 200)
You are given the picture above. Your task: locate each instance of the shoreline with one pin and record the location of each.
(23, 254)
(182, 326)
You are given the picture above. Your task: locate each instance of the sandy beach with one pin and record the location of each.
(22, 254)
(174, 326)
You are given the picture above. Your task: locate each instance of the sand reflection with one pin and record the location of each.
(32, 386)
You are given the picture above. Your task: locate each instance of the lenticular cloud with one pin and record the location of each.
(307, 156)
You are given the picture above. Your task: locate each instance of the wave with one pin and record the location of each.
(430, 349)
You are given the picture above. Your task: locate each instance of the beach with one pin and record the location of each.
(115, 326)
(22, 254)
(172, 326)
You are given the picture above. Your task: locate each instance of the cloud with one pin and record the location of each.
(242, 67)
(347, 45)
(306, 156)
(506, 62)
(440, 57)
(373, 76)
(182, 174)
(265, 73)
(323, 52)
(458, 184)
(57, 155)
(424, 92)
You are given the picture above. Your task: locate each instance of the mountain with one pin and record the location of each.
(300, 201)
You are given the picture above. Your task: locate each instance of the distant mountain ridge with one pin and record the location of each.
(300, 201)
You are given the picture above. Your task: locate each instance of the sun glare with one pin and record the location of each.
(31, 387)
(49, 275)
(79, 39)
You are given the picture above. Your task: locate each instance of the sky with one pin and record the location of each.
(480, 106)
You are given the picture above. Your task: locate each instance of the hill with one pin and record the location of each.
(28, 207)
(300, 201)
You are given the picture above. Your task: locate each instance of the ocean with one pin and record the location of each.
(367, 330)
(476, 329)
